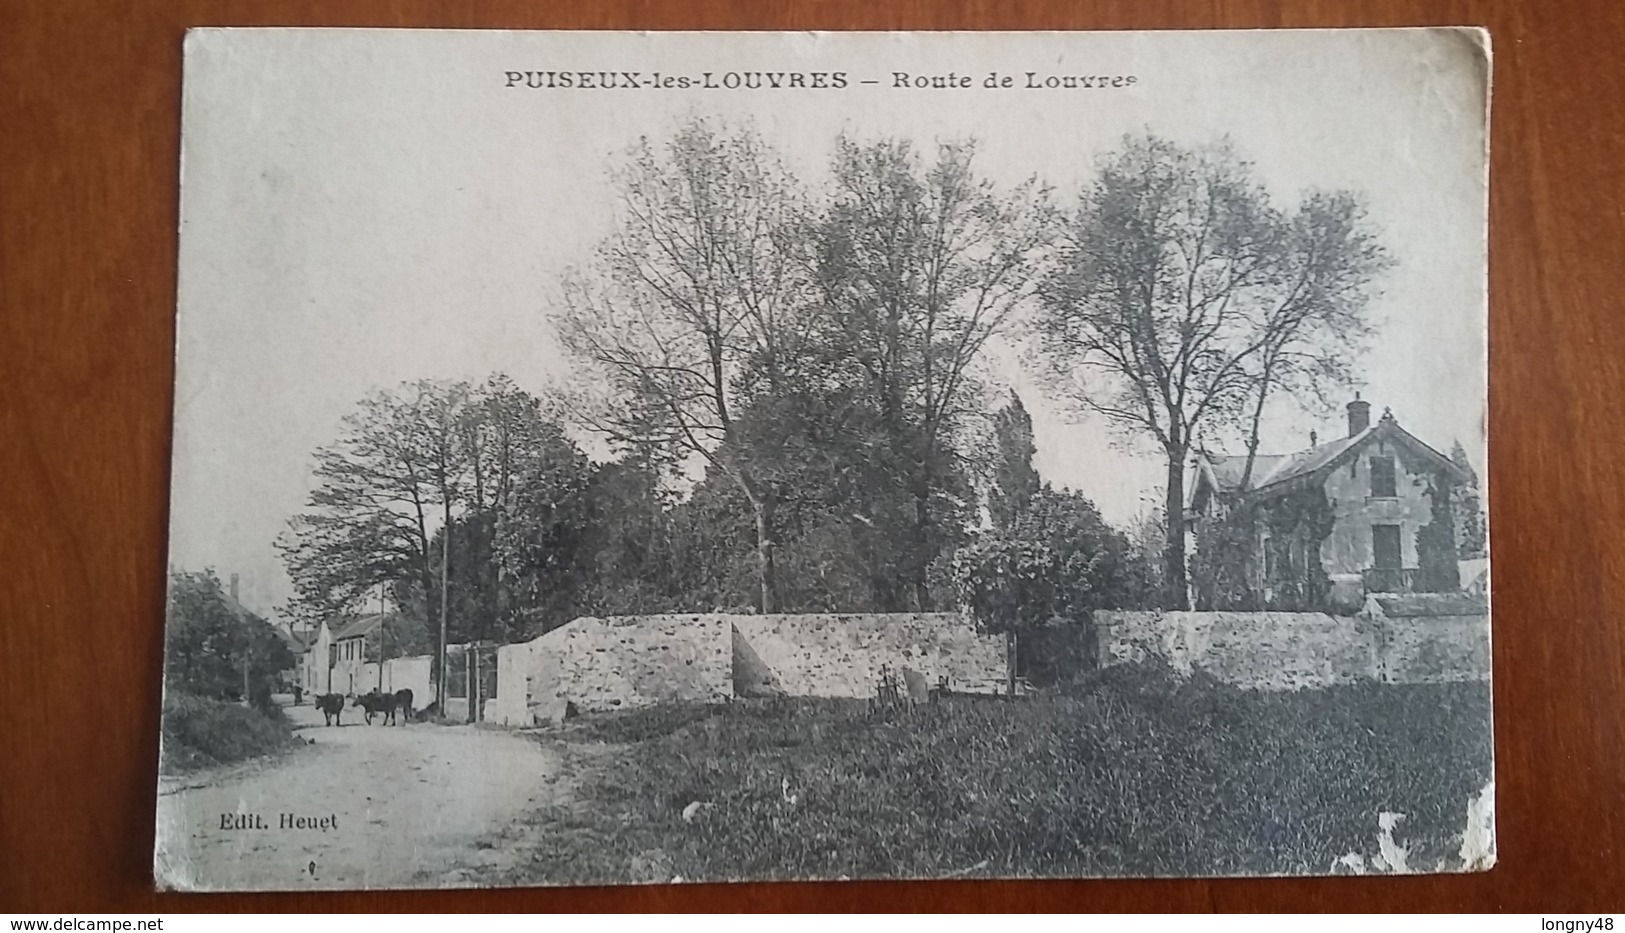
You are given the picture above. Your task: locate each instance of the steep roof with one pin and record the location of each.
(356, 628)
(294, 642)
(1275, 471)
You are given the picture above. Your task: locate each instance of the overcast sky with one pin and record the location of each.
(362, 208)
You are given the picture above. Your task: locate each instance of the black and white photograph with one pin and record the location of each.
(646, 458)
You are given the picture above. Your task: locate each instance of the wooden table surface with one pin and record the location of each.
(89, 130)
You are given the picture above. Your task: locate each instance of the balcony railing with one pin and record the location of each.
(1390, 580)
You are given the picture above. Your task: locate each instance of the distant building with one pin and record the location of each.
(1379, 482)
(315, 664)
(342, 657)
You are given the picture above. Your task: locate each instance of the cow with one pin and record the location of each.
(386, 705)
(374, 703)
(332, 707)
(403, 703)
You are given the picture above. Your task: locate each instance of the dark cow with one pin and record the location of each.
(386, 705)
(403, 702)
(332, 707)
(372, 703)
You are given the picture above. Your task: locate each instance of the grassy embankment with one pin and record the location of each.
(1129, 772)
(201, 733)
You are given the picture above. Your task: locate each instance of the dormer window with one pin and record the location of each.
(1382, 478)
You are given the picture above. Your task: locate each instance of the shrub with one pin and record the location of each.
(199, 732)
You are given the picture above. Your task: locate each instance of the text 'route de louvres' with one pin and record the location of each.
(807, 80)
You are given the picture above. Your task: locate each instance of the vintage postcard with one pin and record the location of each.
(644, 458)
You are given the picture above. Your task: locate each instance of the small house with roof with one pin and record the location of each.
(1369, 512)
(354, 644)
(342, 656)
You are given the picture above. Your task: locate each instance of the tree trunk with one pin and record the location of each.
(1173, 555)
(766, 576)
(471, 679)
(1010, 654)
(445, 611)
(920, 560)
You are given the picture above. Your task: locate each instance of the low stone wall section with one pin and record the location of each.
(1436, 649)
(1294, 650)
(826, 655)
(614, 663)
(630, 661)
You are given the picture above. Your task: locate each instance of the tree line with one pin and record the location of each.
(216, 649)
(793, 382)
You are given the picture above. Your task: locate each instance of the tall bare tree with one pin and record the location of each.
(1185, 299)
(923, 262)
(703, 282)
(378, 487)
(400, 460)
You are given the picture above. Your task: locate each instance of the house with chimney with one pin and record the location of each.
(1366, 513)
(343, 655)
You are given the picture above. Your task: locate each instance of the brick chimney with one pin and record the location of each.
(1359, 415)
(234, 588)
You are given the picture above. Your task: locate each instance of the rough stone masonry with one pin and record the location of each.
(629, 661)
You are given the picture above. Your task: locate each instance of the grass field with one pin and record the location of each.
(1130, 772)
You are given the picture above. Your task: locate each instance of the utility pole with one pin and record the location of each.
(383, 641)
(247, 629)
(445, 583)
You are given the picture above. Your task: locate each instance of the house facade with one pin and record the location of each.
(1369, 512)
(342, 657)
(315, 665)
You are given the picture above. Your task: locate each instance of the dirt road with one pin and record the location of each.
(362, 807)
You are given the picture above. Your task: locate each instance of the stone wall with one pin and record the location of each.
(611, 663)
(841, 655)
(623, 662)
(1293, 650)
(1440, 649)
(1262, 650)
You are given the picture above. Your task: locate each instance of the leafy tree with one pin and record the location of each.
(701, 283)
(1438, 570)
(1472, 526)
(539, 535)
(630, 562)
(1046, 573)
(1225, 566)
(1009, 586)
(1231, 562)
(210, 641)
(409, 464)
(397, 462)
(1185, 299)
(1015, 481)
(1298, 521)
(922, 263)
(848, 517)
(1147, 536)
